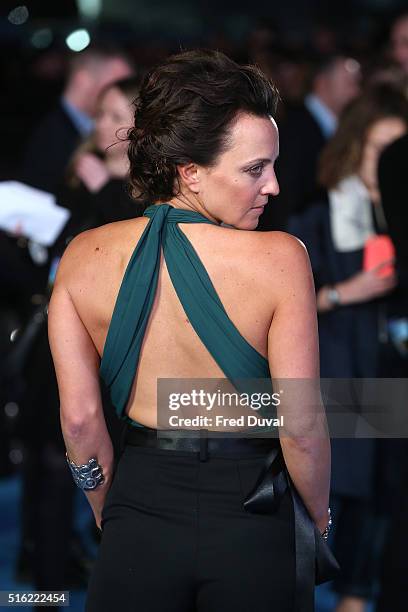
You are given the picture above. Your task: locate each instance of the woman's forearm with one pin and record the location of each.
(87, 438)
(308, 463)
(323, 302)
(345, 296)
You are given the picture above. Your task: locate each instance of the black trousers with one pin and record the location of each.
(176, 538)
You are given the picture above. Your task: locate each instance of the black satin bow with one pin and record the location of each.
(315, 563)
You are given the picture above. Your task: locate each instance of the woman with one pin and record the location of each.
(175, 533)
(351, 306)
(335, 232)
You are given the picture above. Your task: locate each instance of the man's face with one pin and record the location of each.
(343, 82)
(113, 70)
(96, 79)
(399, 43)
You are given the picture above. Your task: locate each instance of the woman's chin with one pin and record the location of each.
(248, 224)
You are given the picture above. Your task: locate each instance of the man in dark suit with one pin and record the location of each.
(303, 133)
(59, 133)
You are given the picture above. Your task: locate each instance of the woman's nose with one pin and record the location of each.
(271, 187)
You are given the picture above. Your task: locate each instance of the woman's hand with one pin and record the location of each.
(96, 499)
(367, 285)
(92, 171)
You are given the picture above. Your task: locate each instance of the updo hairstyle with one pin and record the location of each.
(184, 112)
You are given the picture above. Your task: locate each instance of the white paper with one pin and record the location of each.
(31, 213)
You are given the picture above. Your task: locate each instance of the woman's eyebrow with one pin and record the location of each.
(259, 160)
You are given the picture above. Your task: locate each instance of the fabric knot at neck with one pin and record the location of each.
(165, 213)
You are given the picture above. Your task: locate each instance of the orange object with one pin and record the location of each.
(377, 250)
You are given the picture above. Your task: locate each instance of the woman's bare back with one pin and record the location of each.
(241, 265)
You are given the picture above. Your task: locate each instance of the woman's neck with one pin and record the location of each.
(193, 203)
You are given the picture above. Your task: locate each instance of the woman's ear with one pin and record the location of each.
(189, 176)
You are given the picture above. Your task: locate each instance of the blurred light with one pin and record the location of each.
(41, 39)
(78, 40)
(18, 15)
(11, 409)
(352, 65)
(90, 8)
(38, 252)
(14, 334)
(16, 455)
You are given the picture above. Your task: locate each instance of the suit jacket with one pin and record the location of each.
(301, 141)
(393, 168)
(49, 149)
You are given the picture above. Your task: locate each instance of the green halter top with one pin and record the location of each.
(201, 303)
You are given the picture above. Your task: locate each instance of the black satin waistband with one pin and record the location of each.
(200, 441)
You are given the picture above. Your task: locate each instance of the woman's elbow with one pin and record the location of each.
(75, 423)
(310, 442)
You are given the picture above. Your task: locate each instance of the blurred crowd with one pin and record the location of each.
(343, 122)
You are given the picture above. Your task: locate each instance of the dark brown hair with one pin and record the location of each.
(342, 156)
(184, 113)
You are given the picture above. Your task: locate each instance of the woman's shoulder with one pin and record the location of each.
(285, 257)
(116, 231)
(287, 271)
(283, 243)
(265, 250)
(100, 249)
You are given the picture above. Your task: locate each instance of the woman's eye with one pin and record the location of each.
(256, 170)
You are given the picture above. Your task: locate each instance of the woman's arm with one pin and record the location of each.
(361, 287)
(294, 364)
(76, 364)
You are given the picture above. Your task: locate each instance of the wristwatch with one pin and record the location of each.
(333, 296)
(87, 476)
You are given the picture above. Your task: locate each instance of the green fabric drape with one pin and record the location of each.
(201, 303)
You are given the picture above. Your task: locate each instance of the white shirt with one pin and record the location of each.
(351, 214)
(326, 119)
